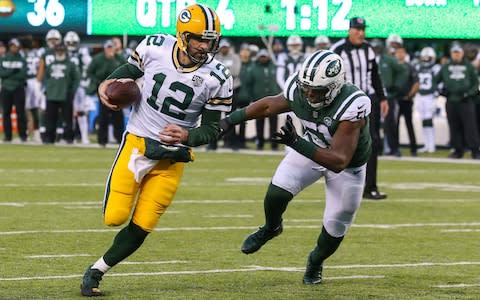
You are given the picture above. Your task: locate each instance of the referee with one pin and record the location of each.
(362, 70)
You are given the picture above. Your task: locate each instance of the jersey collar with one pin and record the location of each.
(176, 62)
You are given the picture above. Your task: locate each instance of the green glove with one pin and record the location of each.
(157, 151)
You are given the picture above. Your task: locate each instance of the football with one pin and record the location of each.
(123, 92)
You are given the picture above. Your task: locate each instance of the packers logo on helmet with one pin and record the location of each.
(202, 23)
(185, 16)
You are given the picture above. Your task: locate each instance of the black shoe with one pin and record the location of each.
(257, 239)
(313, 273)
(455, 155)
(91, 280)
(374, 195)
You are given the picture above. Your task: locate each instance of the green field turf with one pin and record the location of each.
(423, 242)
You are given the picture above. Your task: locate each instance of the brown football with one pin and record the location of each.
(123, 92)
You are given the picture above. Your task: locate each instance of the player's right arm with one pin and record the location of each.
(265, 107)
(132, 69)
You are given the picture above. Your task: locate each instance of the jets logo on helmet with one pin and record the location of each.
(185, 16)
(333, 68)
(324, 73)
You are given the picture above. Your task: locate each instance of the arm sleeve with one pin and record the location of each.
(126, 70)
(207, 131)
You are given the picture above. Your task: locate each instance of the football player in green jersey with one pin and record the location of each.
(336, 145)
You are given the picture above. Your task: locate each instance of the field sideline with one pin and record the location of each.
(421, 243)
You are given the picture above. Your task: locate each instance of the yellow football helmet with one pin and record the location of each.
(201, 22)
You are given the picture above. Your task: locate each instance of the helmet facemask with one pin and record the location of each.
(427, 56)
(320, 96)
(321, 78)
(206, 56)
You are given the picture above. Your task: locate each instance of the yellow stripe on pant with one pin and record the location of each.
(155, 190)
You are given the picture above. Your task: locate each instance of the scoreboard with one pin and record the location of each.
(440, 19)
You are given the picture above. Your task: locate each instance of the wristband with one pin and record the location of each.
(237, 116)
(305, 148)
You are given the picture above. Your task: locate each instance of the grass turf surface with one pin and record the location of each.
(421, 243)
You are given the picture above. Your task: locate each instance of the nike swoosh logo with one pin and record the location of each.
(361, 106)
(356, 172)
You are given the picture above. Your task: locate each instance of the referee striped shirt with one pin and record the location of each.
(360, 66)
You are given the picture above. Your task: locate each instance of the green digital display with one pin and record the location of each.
(408, 18)
(436, 19)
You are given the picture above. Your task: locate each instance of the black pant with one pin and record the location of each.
(406, 107)
(8, 100)
(105, 117)
(463, 127)
(260, 126)
(51, 116)
(371, 178)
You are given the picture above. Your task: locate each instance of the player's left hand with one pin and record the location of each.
(173, 134)
(225, 127)
(287, 135)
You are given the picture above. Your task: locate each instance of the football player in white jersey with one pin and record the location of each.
(32, 98)
(182, 83)
(82, 104)
(336, 145)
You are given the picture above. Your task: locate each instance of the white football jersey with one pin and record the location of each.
(172, 94)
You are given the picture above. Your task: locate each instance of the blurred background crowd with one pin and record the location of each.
(48, 89)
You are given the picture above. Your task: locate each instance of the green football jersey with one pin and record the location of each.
(351, 104)
(426, 74)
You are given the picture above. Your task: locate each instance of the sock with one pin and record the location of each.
(127, 241)
(83, 127)
(275, 203)
(426, 138)
(35, 117)
(101, 265)
(326, 246)
(431, 138)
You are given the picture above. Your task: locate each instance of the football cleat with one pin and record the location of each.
(313, 273)
(91, 280)
(257, 239)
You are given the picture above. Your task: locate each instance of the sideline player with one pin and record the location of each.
(181, 83)
(47, 57)
(427, 70)
(81, 103)
(336, 145)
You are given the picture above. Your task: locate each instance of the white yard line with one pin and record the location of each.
(69, 204)
(220, 228)
(57, 255)
(259, 268)
(458, 285)
(162, 262)
(460, 230)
